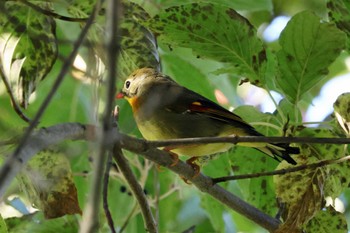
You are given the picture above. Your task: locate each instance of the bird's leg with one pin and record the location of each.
(174, 156)
(196, 167)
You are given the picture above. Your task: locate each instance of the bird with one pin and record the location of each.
(164, 109)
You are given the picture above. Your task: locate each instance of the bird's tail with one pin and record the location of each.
(280, 151)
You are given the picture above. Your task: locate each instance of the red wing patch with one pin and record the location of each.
(214, 112)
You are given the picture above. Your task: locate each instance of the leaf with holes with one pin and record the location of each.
(339, 13)
(302, 195)
(138, 46)
(28, 47)
(308, 48)
(258, 191)
(328, 220)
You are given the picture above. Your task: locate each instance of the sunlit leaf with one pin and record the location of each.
(215, 32)
(328, 220)
(308, 48)
(47, 180)
(28, 47)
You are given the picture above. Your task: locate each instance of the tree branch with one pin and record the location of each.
(90, 219)
(203, 183)
(283, 171)
(38, 141)
(73, 131)
(136, 189)
(237, 139)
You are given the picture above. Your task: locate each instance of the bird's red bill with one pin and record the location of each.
(120, 95)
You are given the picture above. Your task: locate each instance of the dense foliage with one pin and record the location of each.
(207, 46)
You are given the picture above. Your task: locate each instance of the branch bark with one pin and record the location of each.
(151, 225)
(282, 171)
(237, 139)
(74, 131)
(90, 219)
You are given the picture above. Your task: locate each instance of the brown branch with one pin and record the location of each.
(136, 189)
(282, 171)
(46, 137)
(90, 219)
(52, 14)
(14, 103)
(203, 183)
(237, 139)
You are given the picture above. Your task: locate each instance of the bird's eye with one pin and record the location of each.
(127, 84)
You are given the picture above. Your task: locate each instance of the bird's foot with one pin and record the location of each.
(194, 165)
(173, 155)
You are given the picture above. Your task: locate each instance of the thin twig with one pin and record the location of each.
(283, 171)
(14, 103)
(6, 168)
(136, 189)
(237, 139)
(90, 220)
(52, 14)
(105, 193)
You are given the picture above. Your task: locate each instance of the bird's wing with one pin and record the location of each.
(190, 102)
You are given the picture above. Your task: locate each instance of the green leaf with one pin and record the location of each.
(138, 46)
(337, 175)
(288, 117)
(3, 226)
(301, 194)
(187, 75)
(258, 191)
(308, 48)
(28, 47)
(48, 182)
(215, 32)
(342, 111)
(215, 211)
(265, 123)
(328, 220)
(339, 13)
